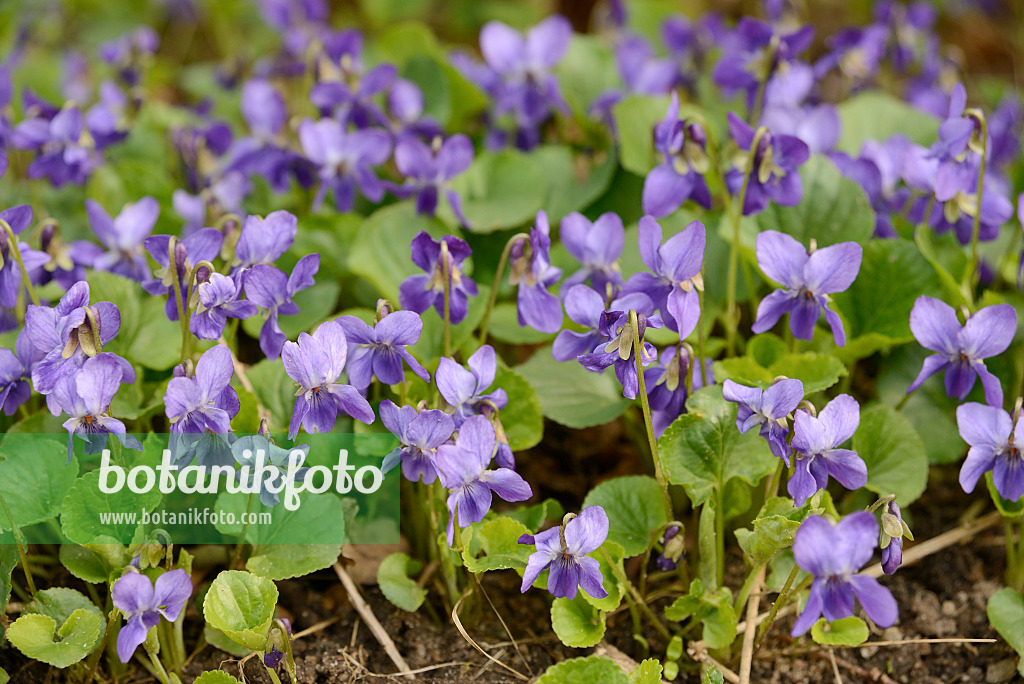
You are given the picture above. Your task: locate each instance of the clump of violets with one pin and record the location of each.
(597, 246)
(420, 433)
(816, 441)
(143, 602)
(773, 170)
(345, 160)
(834, 554)
(617, 348)
(428, 171)
(767, 409)
(564, 551)
(682, 145)
(584, 307)
(378, 351)
(667, 380)
(890, 540)
(315, 363)
(756, 53)
(531, 270)
(463, 470)
(419, 292)
(996, 440)
(960, 350)
(465, 391)
(807, 277)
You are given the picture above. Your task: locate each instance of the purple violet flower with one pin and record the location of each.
(346, 88)
(666, 385)
(807, 277)
(379, 350)
(464, 389)
(428, 171)
(961, 349)
(123, 237)
(418, 292)
(565, 553)
(617, 348)
(205, 402)
(584, 306)
(218, 300)
(815, 445)
(833, 554)
(143, 602)
(462, 469)
(277, 465)
(894, 529)
(264, 240)
(682, 145)
(755, 53)
(676, 267)
(18, 218)
(530, 269)
(774, 175)
(995, 439)
(597, 246)
(345, 159)
(315, 363)
(420, 434)
(768, 409)
(85, 397)
(65, 150)
(272, 290)
(201, 245)
(15, 370)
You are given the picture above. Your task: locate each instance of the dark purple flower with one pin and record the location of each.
(346, 88)
(218, 300)
(833, 554)
(597, 246)
(755, 53)
(1004, 131)
(673, 547)
(878, 171)
(202, 245)
(345, 159)
(666, 385)
(995, 440)
(807, 279)
(428, 171)
(315, 363)
(418, 292)
(682, 145)
(584, 306)
(124, 236)
(815, 446)
(773, 175)
(205, 402)
(617, 348)
(65, 150)
(856, 53)
(379, 350)
(817, 126)
(143, 602)
(961, 349)
(462, 469)
(464, 390)
(272, 290)
(676, 277)
(18, 218)
(85, 397)
(768, 409)
(420, 434)
(565, 553)
(128, 52)
(263, 241)
(15, 370)
(531, 270)
(894, 528)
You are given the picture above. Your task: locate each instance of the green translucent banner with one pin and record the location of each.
(199, 489)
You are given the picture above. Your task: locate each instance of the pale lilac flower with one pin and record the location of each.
(768, 409)
(815, 445)
(464, 390)
(144, 602)
(420, 434)
(597, 246)
(565, 553)
(996, 441)
(272, 290)
(379, 350)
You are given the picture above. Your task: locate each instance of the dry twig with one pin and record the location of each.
(371, 620)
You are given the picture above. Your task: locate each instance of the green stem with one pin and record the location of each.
(273, 675)
(444, 553)
(161, 672)
(182, 321)
(700, 339)
(19, 539)
(446, 274)
(971, 276)
(903, 401)
(719, 536)
(731, 313)
(493, 299)
(641, 604)
(748, 584)
(659, 473)
(94, 660)
(16, 252)
(237, 555)
(1014, 557)
(781, 600)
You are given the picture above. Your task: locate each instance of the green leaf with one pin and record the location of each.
(146, 336)
(521, 419)
(647, 672)
(1005, 611)
(241, 605)
(284, 561)
(93, 563)
(8, 561)
(4, 677)
(635, 117)
(1008, 509)
(498, 539)
(32, 634)
(702, 450)
(34, 477)
(848, 631)
(577, 623)
(816, 371)
(219, 639)
(394, 581)
(505, 326)
(895, 456)
(584, 671)
(775, 527)
(877, 115)
(834, 208)
(84, 505)
(570, 394)
(215, 677)
(275, 390)
(587, 70)
(713, 609)
(499, 190)
(766, 349)
(60, 603)
(635, 510)
(575, 181)
(533, 517)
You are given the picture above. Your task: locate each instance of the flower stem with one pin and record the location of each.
(720, 536)
(659, 473)
(492, 300)
(736, 214)
(19, 539)
(700, 340)
(236, 557)
(631, 590)
(176, 283)
(21, 264)
(748, 584)
(444, 552)
(971, 275)
(781, 600)
(273, 675)
(446, 275)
